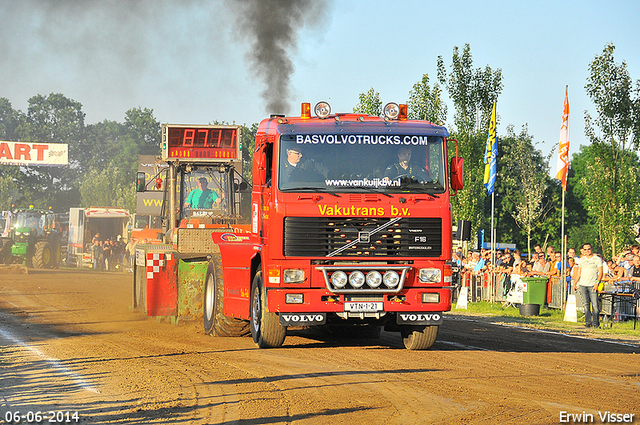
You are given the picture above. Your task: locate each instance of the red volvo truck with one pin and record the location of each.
(347, 224)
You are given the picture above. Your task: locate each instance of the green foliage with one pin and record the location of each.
(426, 103)
(523, 171)
(608, 179)
(107, 188)
(609, 193)
(369, 104)
(248, 147)
(103, 157)
(473, 92)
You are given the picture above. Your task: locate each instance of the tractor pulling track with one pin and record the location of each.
(70, 342)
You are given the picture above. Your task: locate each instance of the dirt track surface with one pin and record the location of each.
(70, 342)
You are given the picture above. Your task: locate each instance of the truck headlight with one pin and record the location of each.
(374, 279)
(391, 279)
(339, 279)
(430, 275)
(293, 276)
(322, 110)
(391, 110)
(356, 279)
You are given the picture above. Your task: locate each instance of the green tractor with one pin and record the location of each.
(33, 239)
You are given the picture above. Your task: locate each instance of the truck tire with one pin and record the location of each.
(419, 337)
(216, 323)
(43, 255)
(266, 330)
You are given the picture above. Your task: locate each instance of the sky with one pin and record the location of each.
(198, 61)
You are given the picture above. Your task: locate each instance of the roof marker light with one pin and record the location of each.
(403, 112)
(306, 111)
(322, 110)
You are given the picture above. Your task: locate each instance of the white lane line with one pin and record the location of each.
(466, 347)
(609, 341)
(557, 333)
(54, 362)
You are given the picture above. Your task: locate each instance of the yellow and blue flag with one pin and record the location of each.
(491, 154)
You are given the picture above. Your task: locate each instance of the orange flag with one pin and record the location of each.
(563, 152)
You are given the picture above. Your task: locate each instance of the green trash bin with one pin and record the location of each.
(536, 292)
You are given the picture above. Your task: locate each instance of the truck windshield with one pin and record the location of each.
(349, 163)
(203, 190)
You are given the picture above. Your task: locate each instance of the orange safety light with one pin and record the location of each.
(306, 111)
(403, 112)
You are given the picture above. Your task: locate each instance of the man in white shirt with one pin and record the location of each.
(588, 276)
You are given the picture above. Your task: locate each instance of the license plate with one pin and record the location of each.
(363, 307)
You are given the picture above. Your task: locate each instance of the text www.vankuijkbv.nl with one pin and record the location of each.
(365, 182)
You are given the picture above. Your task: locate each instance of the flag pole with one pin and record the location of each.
(493, 239)
(563, 246)
(562, 174)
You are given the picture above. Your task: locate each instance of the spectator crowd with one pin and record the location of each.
(108, 254)
(585, 275)
(548, 263)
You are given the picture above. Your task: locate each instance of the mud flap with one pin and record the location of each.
(422, 318)
(302, 319)
(162, 289)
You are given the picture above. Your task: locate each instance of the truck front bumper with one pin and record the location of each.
(300, 300)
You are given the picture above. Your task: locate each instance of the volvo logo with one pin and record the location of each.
(300, 319)
(419, 318)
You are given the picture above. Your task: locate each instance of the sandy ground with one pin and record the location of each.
(70, 342)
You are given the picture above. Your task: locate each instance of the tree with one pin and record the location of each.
(111, 153)
(473, 92)
(52, 118)
(426, 103)
(106, 188)
(609, 182)
(612, 209)
(248, 147)
(10, 175)
(524, 173)
(369, 104)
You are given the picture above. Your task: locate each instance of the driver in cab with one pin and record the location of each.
(202, 197)
(404, 168)
(296, 169)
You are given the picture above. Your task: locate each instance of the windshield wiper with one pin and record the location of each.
(369, 189)
(424, 190)
(311, 189)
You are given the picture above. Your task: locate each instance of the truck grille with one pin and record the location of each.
(322, 236)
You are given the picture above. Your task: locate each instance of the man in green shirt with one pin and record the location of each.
(202, 197)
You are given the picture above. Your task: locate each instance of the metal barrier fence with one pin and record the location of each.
(490, 286)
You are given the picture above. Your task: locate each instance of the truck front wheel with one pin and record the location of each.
(216, 323)
(419, 337)
(266, 329)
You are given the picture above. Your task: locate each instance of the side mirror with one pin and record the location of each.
(262, 168)
(241, 187)
(140, 182)
(457, 173)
